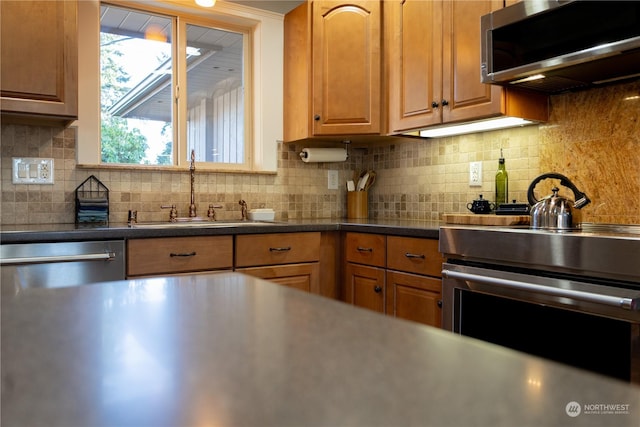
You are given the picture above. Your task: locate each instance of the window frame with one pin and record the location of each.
(263, 50)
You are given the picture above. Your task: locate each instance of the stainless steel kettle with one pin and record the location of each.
(555, 212)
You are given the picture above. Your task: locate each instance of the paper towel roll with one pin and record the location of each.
(315, 155)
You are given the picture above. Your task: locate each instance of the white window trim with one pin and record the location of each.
(267, 84)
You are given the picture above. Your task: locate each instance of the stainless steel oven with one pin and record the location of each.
(570, 297)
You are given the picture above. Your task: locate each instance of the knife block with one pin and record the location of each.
(357, 204)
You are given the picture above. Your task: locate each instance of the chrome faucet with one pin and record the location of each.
(192, 169)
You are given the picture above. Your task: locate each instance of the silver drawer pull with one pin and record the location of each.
(106, 256)
(361, 249)
(409, 255)
(190, 254)
(285, 249)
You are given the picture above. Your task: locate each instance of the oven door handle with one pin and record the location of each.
(632, 304)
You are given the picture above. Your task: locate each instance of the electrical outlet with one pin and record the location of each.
(32, 170)
(475, 174)
(332, 180)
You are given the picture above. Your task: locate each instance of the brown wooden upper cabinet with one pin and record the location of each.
(39, 60)
(332, 69)
(432, 62)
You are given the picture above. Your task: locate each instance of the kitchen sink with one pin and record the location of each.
(201, 224)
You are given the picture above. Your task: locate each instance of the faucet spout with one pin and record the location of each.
(192, 170)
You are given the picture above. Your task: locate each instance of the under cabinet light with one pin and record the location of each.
(528, 79)
(478, 126)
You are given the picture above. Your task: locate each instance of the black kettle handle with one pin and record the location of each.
(581, 199)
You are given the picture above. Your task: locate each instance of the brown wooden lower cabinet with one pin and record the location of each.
(414, 297)
(299, 276)
(395, 275)
(365, 287)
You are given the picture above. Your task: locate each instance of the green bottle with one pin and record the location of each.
(502, 182)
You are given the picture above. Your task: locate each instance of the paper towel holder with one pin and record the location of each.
(303, 155)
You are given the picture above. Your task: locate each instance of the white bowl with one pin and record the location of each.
(261, 214)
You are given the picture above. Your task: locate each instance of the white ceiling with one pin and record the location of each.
(281, 6)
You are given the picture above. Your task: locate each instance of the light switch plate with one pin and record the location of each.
(475, 174)
(332, 180)
(32, 170)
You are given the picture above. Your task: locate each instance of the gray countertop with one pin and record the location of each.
(69, 232)
(231, 350)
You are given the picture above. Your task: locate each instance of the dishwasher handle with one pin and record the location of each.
(105, 256)
(632, 304)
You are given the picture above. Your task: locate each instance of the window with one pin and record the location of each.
(140, 80)
(263, 34)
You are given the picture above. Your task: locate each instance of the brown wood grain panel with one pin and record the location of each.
(364, 248)
(276, 248)
(178, 254)
(304, 277)
(414, 255)
(415, 298)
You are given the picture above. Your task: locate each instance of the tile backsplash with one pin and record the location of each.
(592, 137)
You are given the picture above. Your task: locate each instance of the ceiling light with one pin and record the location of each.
(206, 3)
(478, 126)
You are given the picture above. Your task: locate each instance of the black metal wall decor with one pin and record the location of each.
(92, 202)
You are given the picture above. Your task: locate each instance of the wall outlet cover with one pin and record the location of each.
(32, 170)
(475, 174)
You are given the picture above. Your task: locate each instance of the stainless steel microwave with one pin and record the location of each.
(553, 46)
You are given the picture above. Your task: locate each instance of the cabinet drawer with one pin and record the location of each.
(414, 255)
(277, 248)
(363, 248)
(178, 254)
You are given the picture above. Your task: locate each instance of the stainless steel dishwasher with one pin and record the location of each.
(60, 264)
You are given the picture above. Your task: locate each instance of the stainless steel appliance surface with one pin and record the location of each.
(61, 264)
(591, 43)
(565, 296)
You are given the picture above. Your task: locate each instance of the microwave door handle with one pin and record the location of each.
(632, 304)
(105, 256)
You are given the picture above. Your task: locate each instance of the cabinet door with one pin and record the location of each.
(466, 97)
(39, 58)
(415, 298)
(304, 277)
(346, 67)
(413, 52)
(364, 287)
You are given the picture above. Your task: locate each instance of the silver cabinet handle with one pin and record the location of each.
(105, 256)
(285, 249)
(410, 255)
(626, 303)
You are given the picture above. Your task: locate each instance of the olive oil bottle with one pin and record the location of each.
(502, 182)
